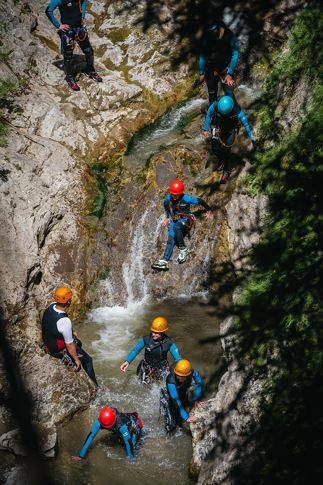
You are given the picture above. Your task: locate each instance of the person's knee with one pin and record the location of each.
(68, 55)
(88, 51)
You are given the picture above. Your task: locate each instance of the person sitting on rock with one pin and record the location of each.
(58, 336)
(71, 29)
(179, 220)
(218, 61)
(223, 118)
(157, 344)
(175, 398)
(127, 425)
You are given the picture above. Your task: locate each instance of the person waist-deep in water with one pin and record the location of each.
(127, 426)
(223, 118)
(175, 399)
(157, 345)
(71, 29)
(58, 335)
(179, 220)
(219, 59)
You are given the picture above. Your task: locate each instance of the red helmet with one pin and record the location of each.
(176, 187)
(107, 417)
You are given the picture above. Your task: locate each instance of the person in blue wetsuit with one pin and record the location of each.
(179, 220)
(127, 425)
(157, 344)
(71, 29)
(223, 118)
(218, 61)
(175, 399)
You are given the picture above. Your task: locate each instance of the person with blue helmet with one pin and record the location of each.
(71, 29)
(223, 118)
(179, 220)
(127, 425)
(154, 367)
(219, 59)
(175, 398)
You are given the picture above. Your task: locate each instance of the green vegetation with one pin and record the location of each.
(6, 88)
(280, 312)
(101, 198)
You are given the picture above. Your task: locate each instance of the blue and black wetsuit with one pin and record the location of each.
(128, 426)
(175, 398)
(181, 218)
(226, 127)
(72, 13)
(219, 58)
(154, 366)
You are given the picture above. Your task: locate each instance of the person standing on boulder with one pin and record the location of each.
(179, 221)
(58, 336)
(71, 29)
(218, 60)
(154, 367)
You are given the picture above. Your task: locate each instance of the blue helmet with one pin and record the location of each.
(225, 105)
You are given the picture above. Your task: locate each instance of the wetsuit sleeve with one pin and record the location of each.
(92, 434)
(198, 385)
(135, 351)
(166, 205)
(50, 12)
(234, 44)
(201, 64)
(242, 117)
(83, 8)
(196, 201)
(174, 395)
(174, 351)
(126, 436)
(209, 115)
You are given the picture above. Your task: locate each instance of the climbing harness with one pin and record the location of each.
(148, 374)
(77, 34)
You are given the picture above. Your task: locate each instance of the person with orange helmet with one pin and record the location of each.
(127, 425)
(59, 338)
(174, 398)
(179, 219)
(157, 344)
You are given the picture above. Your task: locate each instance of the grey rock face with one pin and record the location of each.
(11, 441)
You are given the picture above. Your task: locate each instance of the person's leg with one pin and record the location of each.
(180, 233)
(67, 47)
(212, 81)
(87, 49)
(167, 411)
(227, 140)
(87, 363)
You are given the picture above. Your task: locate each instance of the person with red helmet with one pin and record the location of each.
(127, 425)
(59, 338)
(179, 219)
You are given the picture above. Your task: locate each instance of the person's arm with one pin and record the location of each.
(166, 206)
(242, 117)
(50, 12)
(174, 395)
(83, 8)
(234, 44)
(201, 64)
(198, 391)
(175, 353)
(196, 201)
(124, 431)
(209, 115)
(92, 434)
(135, 351)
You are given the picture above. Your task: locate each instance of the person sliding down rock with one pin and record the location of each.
(72, 29)
(58, 336)
(223, 118)
(175, 399)
(127, 425)
(157, 344)
(179, 220)
(218, 61)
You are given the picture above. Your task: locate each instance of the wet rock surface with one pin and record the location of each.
(11, 441)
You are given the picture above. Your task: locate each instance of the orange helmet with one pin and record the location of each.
(176, 187)
(63, 295)
(183, 368)
(107, 417)
(159, 325)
